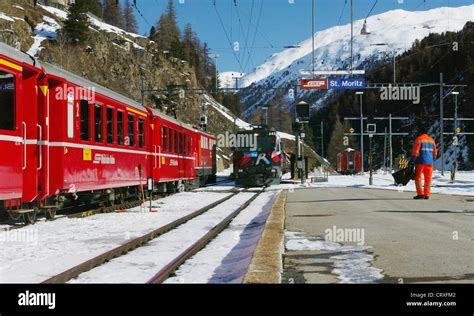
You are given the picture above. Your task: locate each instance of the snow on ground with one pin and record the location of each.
(352, 263)
(55, 11)
(3, 16)
(143, 263)
(464, 184)
(227, 257)
(35, 253)
(227, 79)
(109, 28)
(44, 31)
(226, 113)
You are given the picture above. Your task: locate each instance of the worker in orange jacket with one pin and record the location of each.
(424, 155)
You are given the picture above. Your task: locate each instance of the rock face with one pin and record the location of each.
(112, 57)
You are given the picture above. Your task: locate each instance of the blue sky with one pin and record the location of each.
(282, 22)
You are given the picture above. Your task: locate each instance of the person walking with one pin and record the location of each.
(423, 155)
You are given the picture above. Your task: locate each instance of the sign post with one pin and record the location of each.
(150, 189)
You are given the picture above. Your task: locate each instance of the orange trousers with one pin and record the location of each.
(425, 171)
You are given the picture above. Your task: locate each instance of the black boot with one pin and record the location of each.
(419, 197)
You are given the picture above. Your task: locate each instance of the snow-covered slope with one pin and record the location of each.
(398, 29)
(227, 79)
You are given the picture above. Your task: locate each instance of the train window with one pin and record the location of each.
(110, 125)
(70, 115)
(170, 139)
(120, 126)
(7, 101)
(189, 145)
(98, 126)
(164, 140)
(131, 130)
(141, 133)
(85, 120)
(185, 144)
(175, 141)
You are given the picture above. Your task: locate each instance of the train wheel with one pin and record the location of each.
(50, 213)
(14, 216)
(30, 217)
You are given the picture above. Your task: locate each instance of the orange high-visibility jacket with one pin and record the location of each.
(425, 150)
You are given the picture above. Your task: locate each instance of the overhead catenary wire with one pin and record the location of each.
(243, 32)
(342, 13)
(248, 32)
(140, 13)
(227, 35)
(256, 29)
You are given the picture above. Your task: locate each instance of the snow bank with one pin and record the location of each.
(352, 266)
(64, 243)
(3, 16)
(44, 31)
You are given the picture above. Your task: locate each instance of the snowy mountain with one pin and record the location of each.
(397, 29)
(227, 79)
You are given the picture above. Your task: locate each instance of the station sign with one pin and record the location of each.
(349, 83)
(314, 84)
(332, 83)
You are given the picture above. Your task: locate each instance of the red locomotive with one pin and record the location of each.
(349, 161)
(64, 139)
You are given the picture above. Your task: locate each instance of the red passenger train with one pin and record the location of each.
(65, 139)
(349, 161)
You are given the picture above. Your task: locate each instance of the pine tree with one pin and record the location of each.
(168, 33)
(92, 6)
(113, 13)
(152, 34)
(129, 18)
(336, 141)
(76, 27)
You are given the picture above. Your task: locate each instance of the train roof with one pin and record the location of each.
(18, 55)
(172, 119)
(69, 76)
(80, 81)
(64, 74)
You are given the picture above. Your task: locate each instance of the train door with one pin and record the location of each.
(31, 135)
(18, 134)
(12, 134)
(181, 159)
(351, 161)
(158, 144)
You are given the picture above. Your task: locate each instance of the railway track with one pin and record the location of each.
(173, 264)
(99, 210)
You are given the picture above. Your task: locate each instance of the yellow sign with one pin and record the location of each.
(163, 160)
(351, 130)
(87, 154)
(403, 163)
(44, 89)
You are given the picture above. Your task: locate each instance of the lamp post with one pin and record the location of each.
(361, 93)
(215, 56)
(455, 139)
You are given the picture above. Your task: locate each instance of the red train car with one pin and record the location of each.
(183, 155)
(65, 139)
(349, 161)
